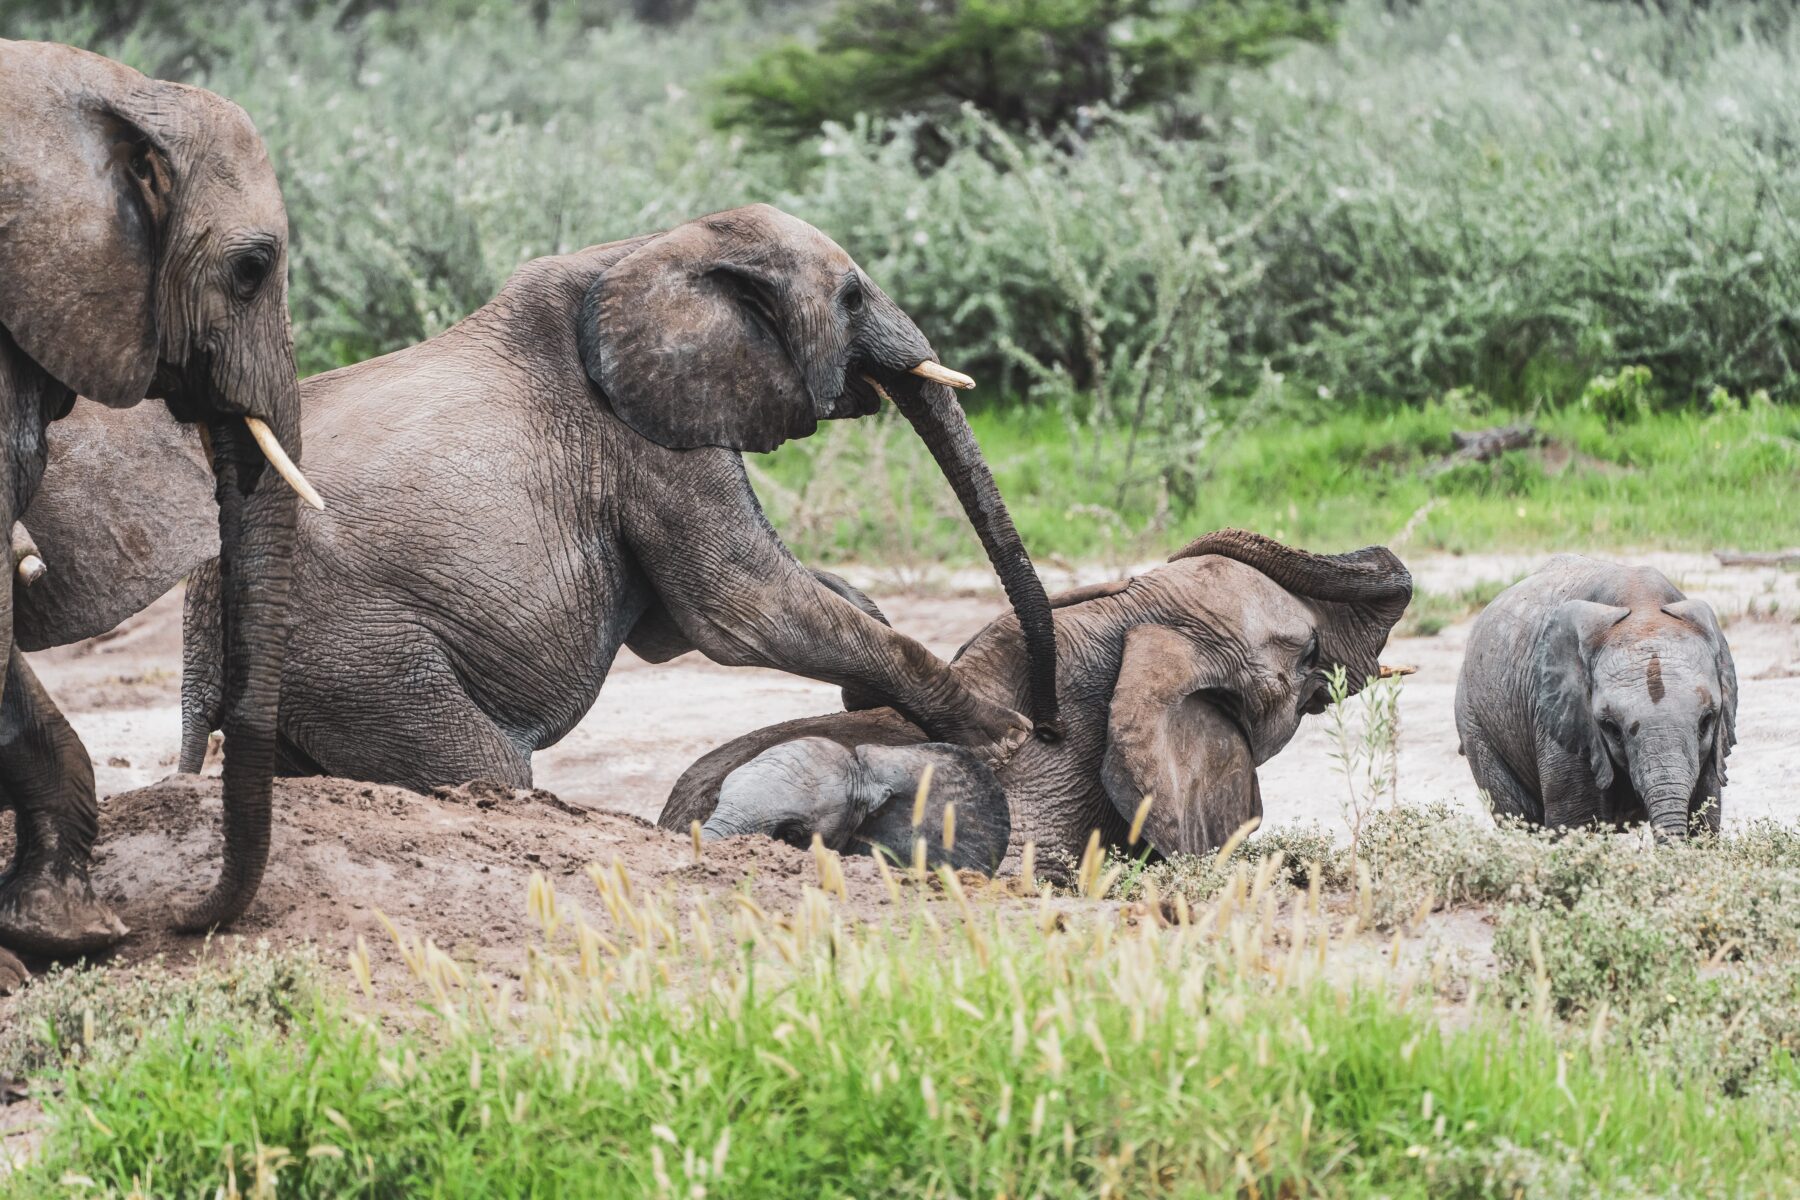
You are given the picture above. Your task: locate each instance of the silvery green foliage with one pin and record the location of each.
(1513, 193)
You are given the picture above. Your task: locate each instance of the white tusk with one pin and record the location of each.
(284, 466)
(26, 560)
(939, 373)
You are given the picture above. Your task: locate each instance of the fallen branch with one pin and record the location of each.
(1776, 558)
(1483, 445)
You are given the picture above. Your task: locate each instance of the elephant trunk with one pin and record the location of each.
(257, 514)
(932, 410)
(1664, 774)
(1371, 586)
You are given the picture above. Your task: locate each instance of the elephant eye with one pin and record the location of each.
(1610, 728)
(249, 269)
(1309, 659)
(853, 297)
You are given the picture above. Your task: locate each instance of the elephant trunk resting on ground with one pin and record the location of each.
(560, 474)
(1175, 685)
(1595, 692)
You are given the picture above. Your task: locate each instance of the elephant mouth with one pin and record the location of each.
(866, 385)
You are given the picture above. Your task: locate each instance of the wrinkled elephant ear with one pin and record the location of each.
(1170, 739)
(1565, 681)
(77, 234)
(690, 338)
(1358, 596)
(1699, 614)
(113, 536)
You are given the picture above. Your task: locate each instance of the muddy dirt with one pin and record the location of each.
(455, 865)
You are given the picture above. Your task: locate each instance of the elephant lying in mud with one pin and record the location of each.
(1595, 692)
(1175, 684)
(559, 475)
(143, 253)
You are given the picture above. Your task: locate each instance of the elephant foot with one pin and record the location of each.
(54, 914)
(12, 973)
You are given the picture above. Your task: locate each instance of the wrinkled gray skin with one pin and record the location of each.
(560, 474)
(1595, 692)
(1175, 684)
(143, 252)
(858, 798)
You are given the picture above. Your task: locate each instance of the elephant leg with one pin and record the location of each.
(417, 736)
(1507, 796)
(47, 905)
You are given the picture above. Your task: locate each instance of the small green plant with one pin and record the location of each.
(1367, 751)
(1620, 399)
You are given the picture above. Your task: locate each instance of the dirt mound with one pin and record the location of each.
(453, 865)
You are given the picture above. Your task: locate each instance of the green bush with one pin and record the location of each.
(1454, 193)
(1626, 398)
(1032, 65)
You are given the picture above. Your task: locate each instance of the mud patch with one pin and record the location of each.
(453, 866)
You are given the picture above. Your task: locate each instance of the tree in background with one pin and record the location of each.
(1031, 65)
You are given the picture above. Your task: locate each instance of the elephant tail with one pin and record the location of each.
(202, 674)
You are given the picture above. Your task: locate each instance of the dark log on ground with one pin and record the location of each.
(1482, 445)
(1775, 558)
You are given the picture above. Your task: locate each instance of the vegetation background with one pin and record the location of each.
(1213, 261)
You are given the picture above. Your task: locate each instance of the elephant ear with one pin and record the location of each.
(689, 339)
(1565, 660)
(1357, 597)
(1170, 738)
(1699, 614)
(125, 510)
(77, 235)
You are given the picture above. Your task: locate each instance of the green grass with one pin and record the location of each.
(958, 1054)
(1673, 480)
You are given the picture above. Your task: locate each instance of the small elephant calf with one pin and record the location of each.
(1174, 684)
(1595, 692)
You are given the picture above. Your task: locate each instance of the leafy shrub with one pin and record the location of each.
(1624, 398)
(1034, 66)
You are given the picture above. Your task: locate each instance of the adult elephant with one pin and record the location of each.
(1594, 692)
(1175, 685)
(143, 252)
(560, 474)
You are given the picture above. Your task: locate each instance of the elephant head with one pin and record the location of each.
(143, 252)
(1644, 695)
(867, 798)
(747, 328)
(1176, 685)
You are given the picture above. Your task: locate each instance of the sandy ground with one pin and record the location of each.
(455, 865)
(121, 692)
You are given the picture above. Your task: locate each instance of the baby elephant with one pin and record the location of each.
(1594, 692)
(1174, 685)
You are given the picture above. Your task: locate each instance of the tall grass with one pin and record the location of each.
(702, 1050)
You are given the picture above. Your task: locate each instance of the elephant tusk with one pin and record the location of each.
(879, 390)
(1388, 672)
(284, 466)
(26, 560)
(939, 373)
